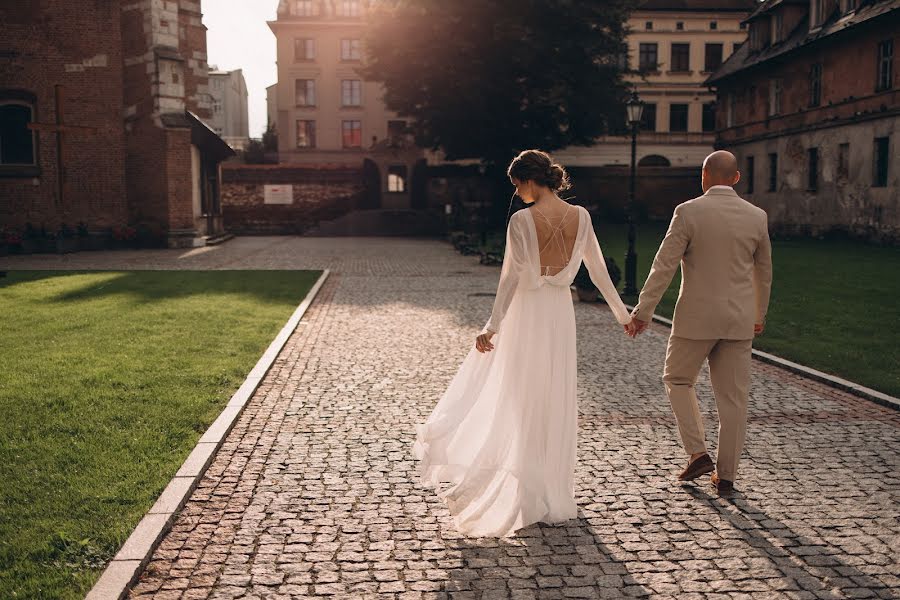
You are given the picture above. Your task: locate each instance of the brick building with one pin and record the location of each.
(100, 118)
(811, 108)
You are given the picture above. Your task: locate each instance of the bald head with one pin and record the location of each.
(721, 167)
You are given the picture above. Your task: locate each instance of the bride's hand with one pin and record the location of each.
(483, 342)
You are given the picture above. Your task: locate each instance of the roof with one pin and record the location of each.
(801, 36)
(698, 5)
(767, 6)
(201, 135)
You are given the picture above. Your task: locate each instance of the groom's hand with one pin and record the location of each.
(635, 327)
(759, 328)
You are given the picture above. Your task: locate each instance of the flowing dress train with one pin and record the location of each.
(503, 434)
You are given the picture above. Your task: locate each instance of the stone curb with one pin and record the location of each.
(134, 555)
(829, 380)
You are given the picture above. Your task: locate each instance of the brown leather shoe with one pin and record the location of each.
(701, 466)
(723, 486)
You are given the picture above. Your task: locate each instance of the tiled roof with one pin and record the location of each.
(801, 36)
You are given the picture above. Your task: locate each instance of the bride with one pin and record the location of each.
(503, 435)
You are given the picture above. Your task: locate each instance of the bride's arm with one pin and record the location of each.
(596, 266)
(513, 261)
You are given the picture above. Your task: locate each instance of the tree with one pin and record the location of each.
(487, 78)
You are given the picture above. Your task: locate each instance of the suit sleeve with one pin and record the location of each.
(513, 263)
(667, 259)
(762, 273)
(596, 266)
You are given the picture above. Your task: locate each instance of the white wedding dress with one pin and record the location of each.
(503, 435)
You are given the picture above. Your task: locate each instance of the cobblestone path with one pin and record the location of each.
(314, 493)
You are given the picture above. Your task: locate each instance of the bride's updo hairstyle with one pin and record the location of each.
(537, 166)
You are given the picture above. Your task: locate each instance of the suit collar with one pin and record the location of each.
(721, 190)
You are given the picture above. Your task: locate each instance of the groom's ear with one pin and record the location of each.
(737, 177)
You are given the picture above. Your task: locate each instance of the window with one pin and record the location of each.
(729, 116)
(777, 27)
(709, 116)
(304, 8)
(773, 172)
(751, 167)
(304, 49)
(350, 49)
(843, 167)
(351, 92)
(648, 25)
(679, 26)
(848, 5)
(397, 178)
(736, 46)
(681, 57)
(713, 57)
(885, 65)
(743, 26)
(351, 134)
(816, 13)
(349, 8)
(17, 142)
(774, 97)
(815, 84)
(306, 134)
(678, 117)
(812, 164)
(305, 92)
(648, 57)
(713, 25)
(648, 117)
(880, 164)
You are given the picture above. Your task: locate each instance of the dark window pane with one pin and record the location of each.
(709, 117)
(681, 57)
(812, 183)
(773, 172)
(751, 175)
(648, 117)
(678, 117)
(713, 57)
(16, 140)
(648, 57)
(880, 164)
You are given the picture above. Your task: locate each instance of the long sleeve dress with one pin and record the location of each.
(503, 435)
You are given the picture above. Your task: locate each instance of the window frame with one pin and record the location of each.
(885, 66)
(29, 101)
(349, 55)
(307, 44)
(815, 85)
(706, 63)
(881, 161)
(751, 173)
(812, 169)
(310, 133)
(687, 115)
(344, 131)
(307, 103)
(402, 175)
(773, 172)
(644, 48)
(683, 55)
(350, 92)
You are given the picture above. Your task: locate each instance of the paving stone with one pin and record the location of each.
(314, 492)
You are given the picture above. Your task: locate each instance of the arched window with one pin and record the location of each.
(654, 160)
(17, 142)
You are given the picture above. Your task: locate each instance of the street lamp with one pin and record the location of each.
(634, 109)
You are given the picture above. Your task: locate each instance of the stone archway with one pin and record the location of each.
(654, 160)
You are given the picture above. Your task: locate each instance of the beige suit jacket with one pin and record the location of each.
(722, 243)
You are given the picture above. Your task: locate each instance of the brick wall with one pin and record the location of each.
(78, 46)
(320, 194)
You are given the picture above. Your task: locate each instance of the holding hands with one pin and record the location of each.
(636, 327)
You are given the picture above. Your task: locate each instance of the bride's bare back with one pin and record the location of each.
(556, 230)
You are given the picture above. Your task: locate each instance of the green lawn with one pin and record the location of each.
(108, 380)
(834, 304)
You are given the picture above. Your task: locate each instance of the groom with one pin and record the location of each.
(722, 244)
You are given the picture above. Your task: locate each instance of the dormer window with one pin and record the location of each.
(304, 8)
(777, 33)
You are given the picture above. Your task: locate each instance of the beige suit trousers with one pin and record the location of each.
(729, 369)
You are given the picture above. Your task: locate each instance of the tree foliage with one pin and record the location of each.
(487, 78)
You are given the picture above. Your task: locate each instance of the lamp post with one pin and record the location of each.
(634, 109)
(482, 169)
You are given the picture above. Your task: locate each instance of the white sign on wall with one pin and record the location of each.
(279, 194)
